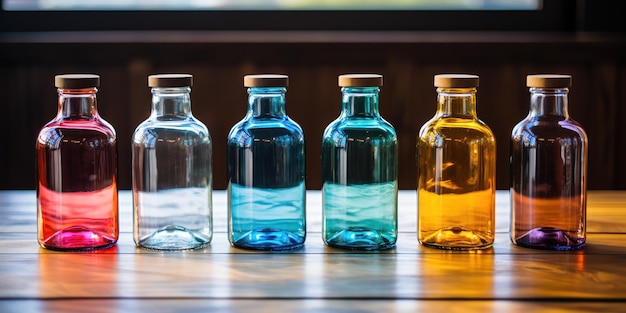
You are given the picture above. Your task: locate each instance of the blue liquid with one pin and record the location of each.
(267, 218)
(266, 171)
(360, 216)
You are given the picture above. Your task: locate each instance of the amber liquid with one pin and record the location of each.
(456, 191)
(77, 186)
(547, 184)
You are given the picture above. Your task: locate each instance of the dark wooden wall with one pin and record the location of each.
(408, 62)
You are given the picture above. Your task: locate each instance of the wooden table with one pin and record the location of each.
(316, 278)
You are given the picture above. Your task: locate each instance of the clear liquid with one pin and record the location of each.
(360, 216)
(456, 192)
(548, 205)
(172, 185)
(267, 218)
(174, 218)
(77, 186)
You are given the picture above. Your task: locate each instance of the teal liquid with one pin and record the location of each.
(267, 218)
(360, 217)
(359, 175)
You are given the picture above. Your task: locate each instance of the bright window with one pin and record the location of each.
(36, 5)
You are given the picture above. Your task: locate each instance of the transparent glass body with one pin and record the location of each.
(360, 175)
(77, 207)
(548, 175)
(456, 175)
(266, 175)
(172, 175)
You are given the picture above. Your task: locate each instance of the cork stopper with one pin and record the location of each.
(456, 80)
(76, 81)
(549, 81)
(360, 80)
(266, 80)
(170, 80)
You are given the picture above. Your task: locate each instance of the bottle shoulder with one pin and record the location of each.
(360, 128)
(263, 127)
(456, 127)
(93, 125)
(190, 130)
(548, 128)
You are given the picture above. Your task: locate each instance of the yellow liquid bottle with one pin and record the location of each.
(456, 161)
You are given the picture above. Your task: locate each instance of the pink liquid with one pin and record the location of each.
(77, 186)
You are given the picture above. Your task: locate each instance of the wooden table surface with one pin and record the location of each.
(317, 278)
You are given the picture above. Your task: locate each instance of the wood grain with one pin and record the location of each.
(316, 278)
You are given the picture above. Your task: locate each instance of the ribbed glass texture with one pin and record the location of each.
(172, 175)
(266, 175)
(548, 175)
(360, 175)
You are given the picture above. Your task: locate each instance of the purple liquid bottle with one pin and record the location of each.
(548, 170)
(77, 206)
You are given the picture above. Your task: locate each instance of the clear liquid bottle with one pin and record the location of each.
(548, 170)
(77, 207)
(360, 171)
(456, 170)
(171, 166)
(266, 171)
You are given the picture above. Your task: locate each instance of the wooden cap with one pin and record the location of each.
(76, 81)
(549, 81)
(456, 80)
(360, 80)
(266, 80)
(170, 80)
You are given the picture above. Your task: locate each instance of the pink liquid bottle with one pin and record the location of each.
(77, 206)
(548, 170)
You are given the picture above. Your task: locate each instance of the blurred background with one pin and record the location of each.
(219, 41)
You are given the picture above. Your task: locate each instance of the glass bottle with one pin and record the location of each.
(359, 170)
(77, 207)
(171, 166)
(457, 167)
(266, 171)
(548, 170)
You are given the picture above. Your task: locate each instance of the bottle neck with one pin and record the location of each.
(266, 101)
(171, 102)
(456, 102)
(360, 101)
(78, 104)
(549, 101)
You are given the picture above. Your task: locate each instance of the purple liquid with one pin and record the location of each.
(547, 184)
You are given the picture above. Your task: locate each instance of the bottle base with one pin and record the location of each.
(549, 238)
(361, 239)
(456, 238)
(78, 238)
(269, 240)
(173, 237)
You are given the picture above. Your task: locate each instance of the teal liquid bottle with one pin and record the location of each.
(171, 167)
(359, 171)
(266, 171)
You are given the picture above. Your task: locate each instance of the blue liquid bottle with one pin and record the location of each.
(266, 171)
(171, 167)
(359, 171)
(548, 170)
